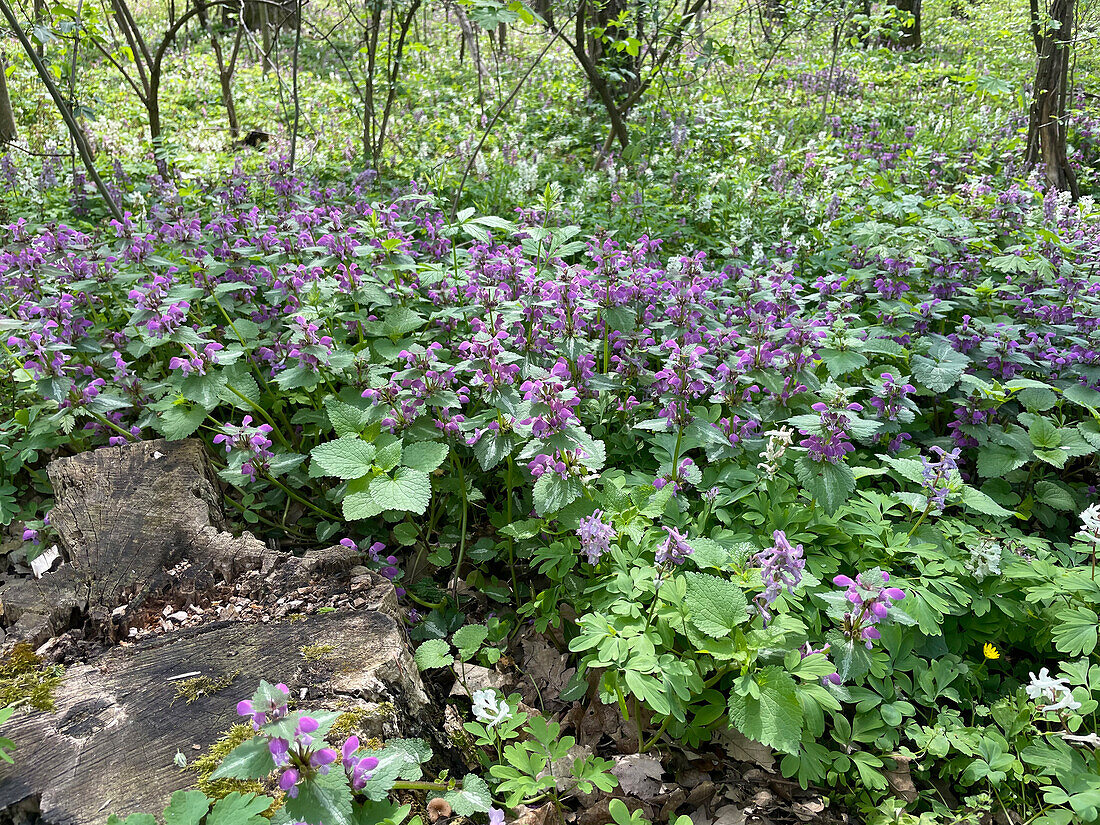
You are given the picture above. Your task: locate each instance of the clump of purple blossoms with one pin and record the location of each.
(301, 754)
(358, 768)
(674, 549)
(596, 536)
(781, 565)
(832, 441)
(196, 362)
(936, 476)
(273, 709)
(870, 599)
(252, 440)
(890, 403)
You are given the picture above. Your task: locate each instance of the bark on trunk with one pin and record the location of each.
(8, 132)
(910, 33)
(1046, 137)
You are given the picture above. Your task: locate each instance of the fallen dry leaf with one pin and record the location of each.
(544, 815)
(639, 775)
(729, 815)
(808, 811)
(900, 781)
(476, 677)
(743, 749)
(547, 674)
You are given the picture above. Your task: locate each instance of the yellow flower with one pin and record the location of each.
(990, 651)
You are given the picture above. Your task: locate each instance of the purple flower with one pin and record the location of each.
(596, 536)
(674, 549)
(870, 599)
(830, 441)
(322, 759)
(781, 566)
(936, 476)
(280, 751)
(288, 782)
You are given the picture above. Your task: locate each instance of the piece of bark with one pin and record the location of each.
(109, 748)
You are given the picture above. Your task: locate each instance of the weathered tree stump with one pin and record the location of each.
(110, 746)
(125, 515)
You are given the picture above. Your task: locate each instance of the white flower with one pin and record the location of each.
(1054, 693)
(488, 709)
(1090, 520)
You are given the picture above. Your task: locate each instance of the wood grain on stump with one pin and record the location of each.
(110, 746)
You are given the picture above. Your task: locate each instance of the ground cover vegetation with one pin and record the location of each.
(748, 353)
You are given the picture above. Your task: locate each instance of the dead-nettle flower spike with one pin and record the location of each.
(870, 599)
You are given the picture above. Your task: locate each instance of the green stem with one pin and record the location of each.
(302, 500)
(404, 785)
(511, 540)
(129, 435)
(457, 465)
(656, 736)
(676, 452)
(256, 407)
(920, 521)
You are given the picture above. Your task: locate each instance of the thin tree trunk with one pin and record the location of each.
(910, 33)
(1046, 134)
(70, 122)
(8, 132)
(225, 77)
(395, 69)
(294, 85)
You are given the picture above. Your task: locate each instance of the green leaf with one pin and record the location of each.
(179, 421)
(995, 460)
(347, 458)
(552, 492)
(324, 799)
(1054, 495)
(1043, 434)
(389, 456)
(841, 362)
(432, 654)
(399, 321)
(358, 502)
(424, 455)
(186, 808)
(979, 502)
(469, 639)
(1084, 396)
(474, 798)
(238, 809)
(409, 490)
(941, 369)
(1075, 631)
(249, 760)
(715, 606)
(1037, 399)
(827, 483)
(773, 716)
(345, 419)
(852, 659)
